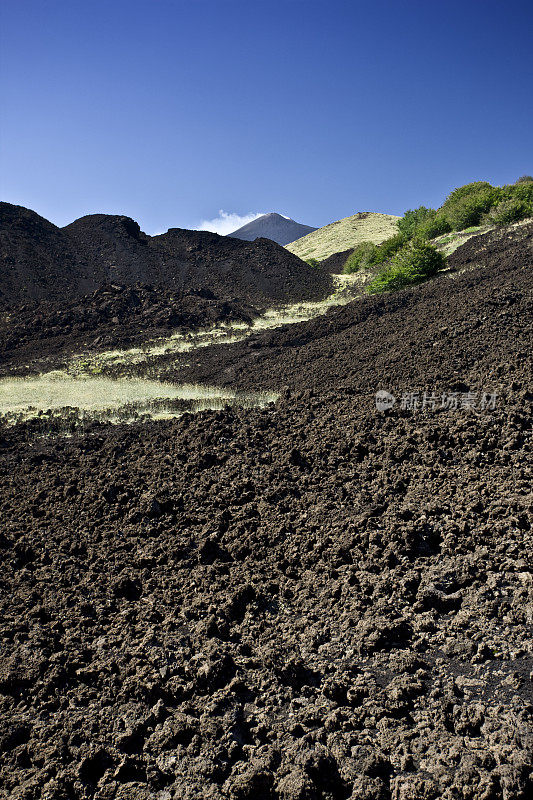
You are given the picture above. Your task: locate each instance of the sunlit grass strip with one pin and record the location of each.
(449, 242)
(345, 234)
(57, 395)
(346, 289)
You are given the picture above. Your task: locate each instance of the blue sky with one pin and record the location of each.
(171, 110)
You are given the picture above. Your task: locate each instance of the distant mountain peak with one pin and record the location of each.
(274, 226)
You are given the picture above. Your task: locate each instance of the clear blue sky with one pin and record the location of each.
(169, 110)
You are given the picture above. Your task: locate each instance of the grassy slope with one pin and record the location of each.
(449, 242)
(346, 233)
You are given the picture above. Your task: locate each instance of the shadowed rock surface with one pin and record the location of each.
(113, 316)
(37, 261)
(314, 601)
(117, 250)
(257, 272)
(335, 263)
(43, 262)
(272, 226)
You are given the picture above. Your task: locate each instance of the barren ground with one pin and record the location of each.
(310, 601)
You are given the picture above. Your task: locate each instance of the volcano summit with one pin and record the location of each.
(280, 229)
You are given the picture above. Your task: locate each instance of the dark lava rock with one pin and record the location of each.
(335, 263)
(43, 262)
(37, 260)
(357, 628)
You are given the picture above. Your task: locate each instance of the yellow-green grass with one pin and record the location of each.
(84, 392)
(56, 393)
(345, 289)
(345, 234)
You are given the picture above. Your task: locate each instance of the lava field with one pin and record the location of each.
(316, 600)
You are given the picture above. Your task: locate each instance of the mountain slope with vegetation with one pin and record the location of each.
(366, 226)
(424, 236)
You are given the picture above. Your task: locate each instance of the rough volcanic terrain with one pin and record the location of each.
(37, 261)
(408, 340)
(113, 316)
(118, 251)
(313, 601)
(259, 272)
(43, 262)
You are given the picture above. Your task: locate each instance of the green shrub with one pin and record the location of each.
(434, 227)
(524, 179)
(467, 190)
(313, 262)
(508, 211)
(413, 219)
(360, 257)
(387, 249)
(367, 254)
(465, 206)
(414, 263)
(521, 191)
(467, 213)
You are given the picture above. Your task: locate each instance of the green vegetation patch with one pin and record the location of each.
(414, 263)
(508, 211)
(414, 218)
(361, 257)
(368, 254)
(418, 242)
(469, 207)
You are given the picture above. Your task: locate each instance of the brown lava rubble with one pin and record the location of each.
(312, 601)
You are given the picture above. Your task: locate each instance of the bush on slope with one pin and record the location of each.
(368, 254)
(466, 207)
(414, 263)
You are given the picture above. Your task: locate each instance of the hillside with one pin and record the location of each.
(257, 272)
(367, 342)
(37, 260)
(366, 226)
(43, 262)
(272, 226)
(117, 250)
(310, 600)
